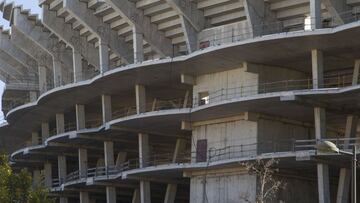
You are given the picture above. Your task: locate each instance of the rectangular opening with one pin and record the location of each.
(201, 150)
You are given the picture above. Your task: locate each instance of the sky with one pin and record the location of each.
(28, 4)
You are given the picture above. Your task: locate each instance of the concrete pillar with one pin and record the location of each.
(42, 79)
(48, 175)
(110, 194)
(140, 99)
(120, 159)
(356, 72)
(317, 60)
(138, 46)
(45, 131)
(315, 14)
(170, 193)
(322, 169)
(32, 96)
(36, 178)
(144, 151)
(34, 138)
(145, 195)
(60, 123)
(57, 72)
(345, 174)
(179, 148)
(109, 153)
(62, 171)
(80, 116)
(84, 197)
(104, 56)
(83, 162)
(136, 196)
(106, 108)
(77, 63)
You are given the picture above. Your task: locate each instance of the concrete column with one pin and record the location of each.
(62, 171)
(84, 197)
(60, 123)
(356, 72)
(136, 196)
(120, 159)
(34, 138)
(110, 194)
(80, 116)
(138, 46)
(48, 175)
(106, 108)
(83, 162)
(36, 178)
(32, 96)
(170, 193)
(179, 148)
(104, 56)
(345, 174)
(144, 151)
(77, 63)
(315, 14)
(145, 195)
(140, 99)
(322, 169)
(57, 72)
(45, 131)
(42, 79)
(317, 60)
(109, 153)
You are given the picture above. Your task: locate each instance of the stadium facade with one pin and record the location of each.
(165, 100)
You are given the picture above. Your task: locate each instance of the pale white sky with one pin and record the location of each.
(28, 4)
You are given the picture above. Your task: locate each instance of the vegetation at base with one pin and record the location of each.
(17, 187)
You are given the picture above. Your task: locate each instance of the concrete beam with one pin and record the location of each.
(72, 37)
(260, 17)
(317, 60)
(102, 30)
(315, 14)
(136, 17)
(339, 10)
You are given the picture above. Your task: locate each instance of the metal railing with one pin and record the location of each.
(341, 143)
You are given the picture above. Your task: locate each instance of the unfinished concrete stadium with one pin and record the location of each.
(165, 100)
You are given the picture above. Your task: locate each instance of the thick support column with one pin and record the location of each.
(345, 173)
(109, 162)
(138, 45)
(45, 131)
(34, 138)
(48, 175)
(57, 72)
(110, 194)
(62, 169)
(322, 169)
(32, 96)
(104, 56)
(144, 152)
(315, 14)
(136, 196)
(83, 163)
(84, 197)
(80, 116)
(77, 63)
(140, 99)
(355, 79)
(317, 60)
(106, 108)
(36, 178)
(60, 123)
(42, 79)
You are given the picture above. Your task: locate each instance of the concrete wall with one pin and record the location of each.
(223, 187)
(241, 135)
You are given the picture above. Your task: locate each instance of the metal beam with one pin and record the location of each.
(136, 17)
(103, 31)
